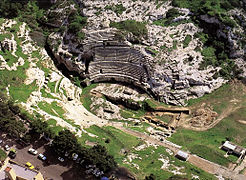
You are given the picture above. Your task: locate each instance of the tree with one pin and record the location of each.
(76, 23)
(65, 142)
(38, 128)
(99, 156)
(49, 133)
(8, 120)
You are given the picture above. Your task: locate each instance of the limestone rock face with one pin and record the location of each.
(9, 45)
(162, 64)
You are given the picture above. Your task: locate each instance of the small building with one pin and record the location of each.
(227, 146)
(239, 151)
(182, 155)
(234, 149)
(13, 171)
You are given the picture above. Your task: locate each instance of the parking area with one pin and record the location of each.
(51, 168)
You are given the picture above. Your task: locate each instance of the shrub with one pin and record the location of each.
(136, 28)
(118, 9)
(187, 40)
(172, 13)
(76, 23)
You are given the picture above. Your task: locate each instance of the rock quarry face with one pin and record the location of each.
(161, 64)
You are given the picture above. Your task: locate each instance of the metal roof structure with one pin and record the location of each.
(229, 146)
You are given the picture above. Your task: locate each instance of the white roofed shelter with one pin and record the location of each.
(182, 155)
(228, 146)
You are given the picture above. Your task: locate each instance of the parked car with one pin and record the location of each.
(42, 157)
(33, 151)
(66, 154)
(6, 147)
(29, 165)
(60, 159)
(75, 156)
(12, 153)
(1, 141)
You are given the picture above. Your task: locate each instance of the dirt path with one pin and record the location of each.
(175, 148)
(223, 115)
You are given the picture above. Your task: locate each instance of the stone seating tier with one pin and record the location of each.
(118, 68)
(118, 77)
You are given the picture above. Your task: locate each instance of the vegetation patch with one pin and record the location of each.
(187, 41)
(153, 165)
(216, 50)
(86, 96)
(140, 127)
(3, 155)
(118, 8)
(227, 98)
(136, 28)
(164, 118)
(76, 23)
(22, 93)
(52, 86)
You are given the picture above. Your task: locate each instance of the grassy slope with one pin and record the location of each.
(20, 92)
(86, 96)
(206, 143)
(148, 158)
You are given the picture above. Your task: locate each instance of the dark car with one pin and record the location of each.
(12, 154)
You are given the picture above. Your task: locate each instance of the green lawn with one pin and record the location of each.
(86, 97)
(140, 127)
(18, 90)
(206, 143)
(52, 85)
(164, 118)
(22, 93)
(149, 163)
(115, 140)
(219, 97)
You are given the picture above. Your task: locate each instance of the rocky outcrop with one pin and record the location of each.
(171, 74)
(8, 45)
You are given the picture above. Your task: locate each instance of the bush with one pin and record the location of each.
(136, 28)
(187, 41)
(76, 23)
(118, 9)
(172, 13)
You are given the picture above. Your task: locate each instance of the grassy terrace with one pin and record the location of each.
(115, 140)
(206, 143)
(86, 96)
